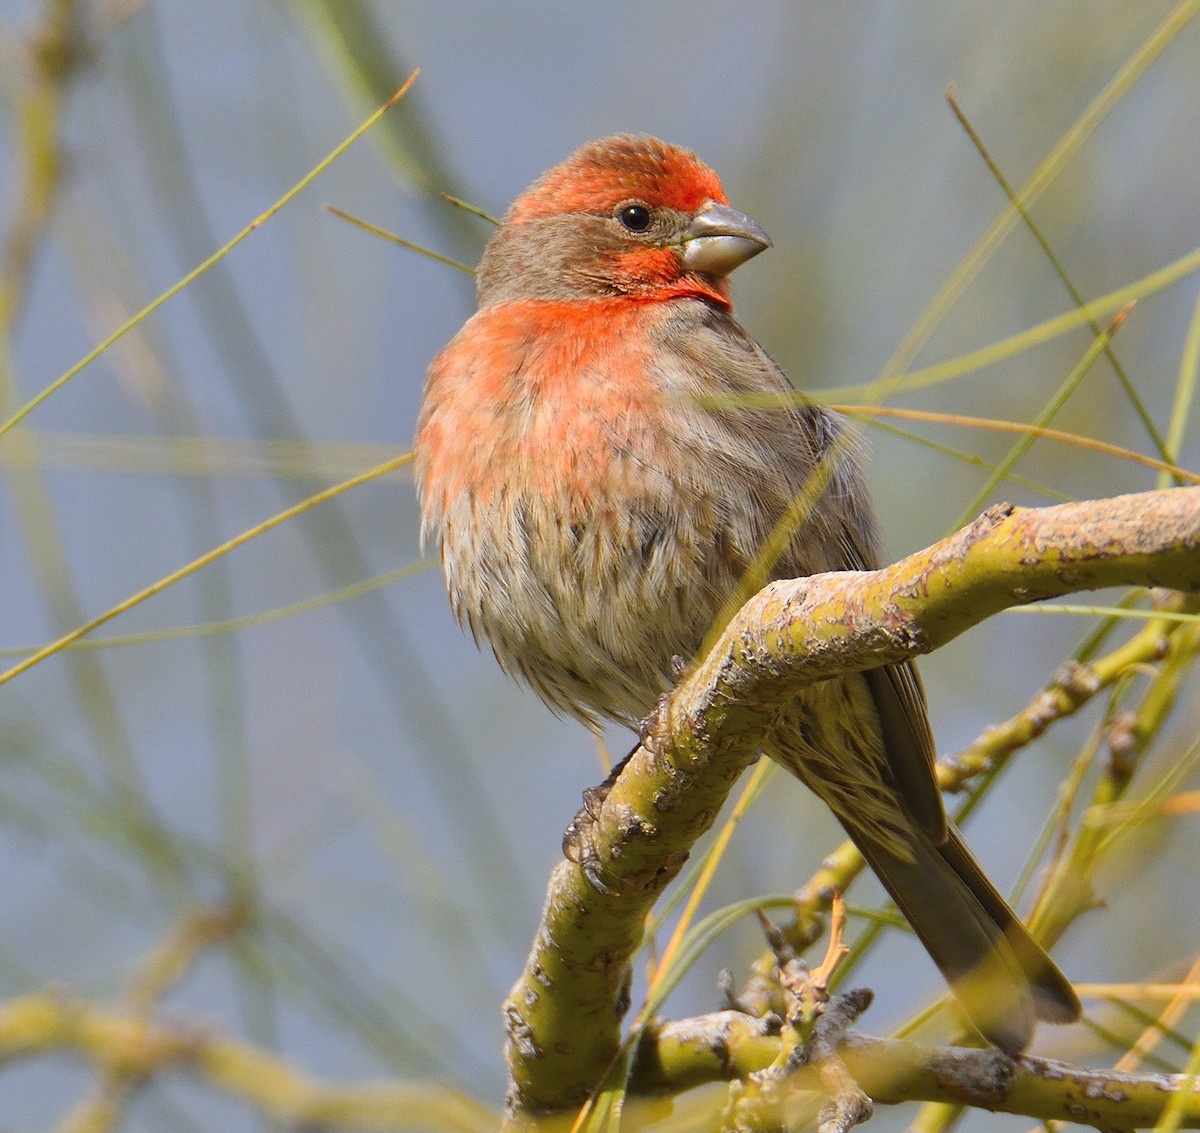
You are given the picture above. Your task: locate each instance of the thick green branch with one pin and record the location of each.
(803, 630)
(564, 1013)
(727, 1045)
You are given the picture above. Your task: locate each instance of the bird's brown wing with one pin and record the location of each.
(843, 538)
(900, 701)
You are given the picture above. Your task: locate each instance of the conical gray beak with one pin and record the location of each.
(720, 238)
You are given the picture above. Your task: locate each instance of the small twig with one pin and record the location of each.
(384, 234)
(1068, 885)
(814, 1027)
(1059, 269)
(1172, 1011)
(848, 1103)
(1072, 687)
(466, 206)
(193, 934)
(118, 1078)
(837, 950)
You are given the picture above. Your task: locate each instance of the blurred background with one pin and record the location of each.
(365, 786)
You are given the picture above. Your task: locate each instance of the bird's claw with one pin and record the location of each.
(579, 842)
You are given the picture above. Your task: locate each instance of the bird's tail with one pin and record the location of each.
(1003, 978)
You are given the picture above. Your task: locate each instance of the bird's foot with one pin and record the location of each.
(579, 843)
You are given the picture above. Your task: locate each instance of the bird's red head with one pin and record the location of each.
(605, 173)
(627, 215)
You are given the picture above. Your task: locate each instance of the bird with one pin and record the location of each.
(598, 494)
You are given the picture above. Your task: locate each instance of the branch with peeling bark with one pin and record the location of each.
(564, 1014)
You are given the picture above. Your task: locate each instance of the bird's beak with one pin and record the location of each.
(720, 238)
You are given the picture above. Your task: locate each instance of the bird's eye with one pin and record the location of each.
(635, 217)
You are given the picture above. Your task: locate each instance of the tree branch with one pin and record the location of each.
(728, 1045)
(564, 1013)
(139, 1048)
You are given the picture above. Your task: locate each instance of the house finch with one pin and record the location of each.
(598, 496)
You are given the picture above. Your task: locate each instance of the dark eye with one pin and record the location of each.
(635, 217)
